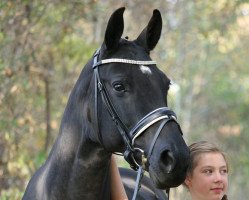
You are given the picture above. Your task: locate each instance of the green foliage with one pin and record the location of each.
(13, 193)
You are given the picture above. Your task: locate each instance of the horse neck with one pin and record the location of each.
(83, 164)
(80, 171)
(89, 175)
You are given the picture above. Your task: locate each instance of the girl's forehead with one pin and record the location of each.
(215, 159)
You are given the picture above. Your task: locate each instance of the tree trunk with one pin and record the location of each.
(48, 114)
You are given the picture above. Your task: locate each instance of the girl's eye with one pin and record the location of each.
(208, 171)
(223, 171)
(119, 87)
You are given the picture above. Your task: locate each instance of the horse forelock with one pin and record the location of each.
(126, 50)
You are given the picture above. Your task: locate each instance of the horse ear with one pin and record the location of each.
(151, 34)
(115, 28)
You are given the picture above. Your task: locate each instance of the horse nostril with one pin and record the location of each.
(168, 161)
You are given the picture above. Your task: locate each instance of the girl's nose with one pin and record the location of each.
(218, 177)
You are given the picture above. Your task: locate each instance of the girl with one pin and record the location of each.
(207, 175)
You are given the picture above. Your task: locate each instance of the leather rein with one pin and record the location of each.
(163, 114)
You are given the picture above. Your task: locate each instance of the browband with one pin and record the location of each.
(127, 61)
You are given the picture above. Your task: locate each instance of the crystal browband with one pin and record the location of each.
(127, 61)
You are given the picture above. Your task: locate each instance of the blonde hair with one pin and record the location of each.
(198, 148)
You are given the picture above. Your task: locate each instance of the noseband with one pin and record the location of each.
(163, 114)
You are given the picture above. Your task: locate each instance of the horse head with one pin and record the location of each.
(130, 114)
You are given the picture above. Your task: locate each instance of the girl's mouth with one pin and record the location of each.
(217, 190)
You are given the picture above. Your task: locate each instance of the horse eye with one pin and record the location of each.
(119, 87)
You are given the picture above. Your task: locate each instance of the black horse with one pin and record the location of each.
(118, 104)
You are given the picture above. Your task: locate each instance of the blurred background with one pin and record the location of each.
(45, 44)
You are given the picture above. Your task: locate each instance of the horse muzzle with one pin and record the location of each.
(165, 154)
(169, 160)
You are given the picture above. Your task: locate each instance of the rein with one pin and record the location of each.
(163, 114)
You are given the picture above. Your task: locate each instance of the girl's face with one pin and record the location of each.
(209, 180)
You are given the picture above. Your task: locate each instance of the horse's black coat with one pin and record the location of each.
(78, 164)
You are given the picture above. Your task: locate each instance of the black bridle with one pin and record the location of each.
(163, 114)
